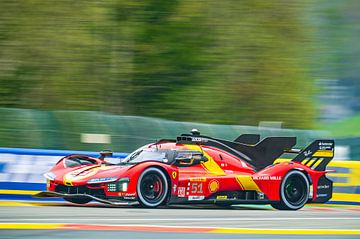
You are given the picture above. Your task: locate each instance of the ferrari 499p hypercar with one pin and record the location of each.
(194, 168)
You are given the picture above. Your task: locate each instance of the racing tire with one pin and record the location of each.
(78, 200)
(152, 188)
(294, 191)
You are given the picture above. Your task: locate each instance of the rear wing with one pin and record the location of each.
(262, 153)
(317, 155)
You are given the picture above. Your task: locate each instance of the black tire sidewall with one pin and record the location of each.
(141, 199)
(285, 204)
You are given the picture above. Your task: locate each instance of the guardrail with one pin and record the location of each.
(21, 173)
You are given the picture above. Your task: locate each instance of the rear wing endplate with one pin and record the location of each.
(317, 155)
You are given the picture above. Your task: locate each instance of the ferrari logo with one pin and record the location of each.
(174, 174)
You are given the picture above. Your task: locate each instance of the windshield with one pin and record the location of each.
(145, 154)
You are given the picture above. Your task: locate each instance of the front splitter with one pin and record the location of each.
(50, 194)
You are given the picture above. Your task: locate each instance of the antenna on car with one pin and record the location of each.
(195, 132)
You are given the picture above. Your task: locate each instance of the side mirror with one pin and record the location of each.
(190, 158)
(105, 153)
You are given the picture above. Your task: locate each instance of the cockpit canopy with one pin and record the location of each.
(168, 156)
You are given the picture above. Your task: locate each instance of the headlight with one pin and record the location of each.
(102, 180)
(49, 175)
(119, 186)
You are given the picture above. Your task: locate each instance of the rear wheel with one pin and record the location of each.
(152, 188)
(294, 191)
(78, 200)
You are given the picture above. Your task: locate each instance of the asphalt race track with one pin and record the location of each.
(65, 220)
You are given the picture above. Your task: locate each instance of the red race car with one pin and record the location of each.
(199, 169)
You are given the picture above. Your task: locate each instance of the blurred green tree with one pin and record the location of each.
(211, 61)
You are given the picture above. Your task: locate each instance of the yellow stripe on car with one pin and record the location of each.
(247, 183)
(210, 166)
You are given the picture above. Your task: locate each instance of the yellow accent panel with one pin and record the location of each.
(224, 197)
(323, 153)
(210, 166)
(19, 192)
(27, 226)
(67, 180)
(288, 231)
(247, 182)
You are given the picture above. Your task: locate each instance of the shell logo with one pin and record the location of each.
(213, 186)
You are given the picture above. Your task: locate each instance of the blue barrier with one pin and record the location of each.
(22, 186)
(49, 152)
(21, 170)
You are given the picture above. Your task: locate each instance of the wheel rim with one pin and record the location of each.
(295, 190)
(152, 188)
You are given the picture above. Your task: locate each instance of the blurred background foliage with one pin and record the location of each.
(227, 62)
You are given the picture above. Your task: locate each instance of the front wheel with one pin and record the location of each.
(152, 188)
(294, 191)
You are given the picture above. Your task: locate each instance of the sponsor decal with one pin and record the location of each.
(221, 197)
(198, 179)
(174, 188)
(130, 194)
(321, 195)
(127, 195)
(196, 198)
(325, 146)
(196, 139)
(181, 192)
(213, 186)
(307, 153)
(229, 171)
(129, 198)
(102, 180)
(174, 174)
(323, 186)
(275, 178)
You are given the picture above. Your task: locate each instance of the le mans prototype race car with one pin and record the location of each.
(199, 169)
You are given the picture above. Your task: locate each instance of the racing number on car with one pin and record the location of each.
(196, 187)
